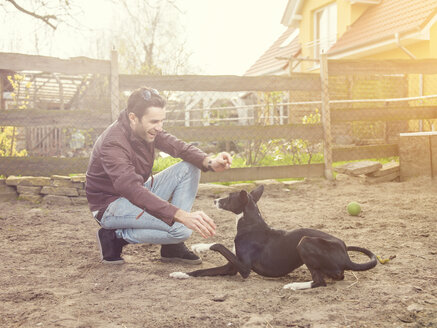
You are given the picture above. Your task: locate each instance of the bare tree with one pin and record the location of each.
(150, 41)
(147, 33)
(50, 12)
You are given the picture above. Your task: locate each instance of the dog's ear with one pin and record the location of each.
(244, 197)
(257, 193)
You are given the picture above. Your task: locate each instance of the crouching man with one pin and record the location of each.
(133, 206)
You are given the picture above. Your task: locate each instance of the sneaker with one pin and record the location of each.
(178, 253)
(110, 246)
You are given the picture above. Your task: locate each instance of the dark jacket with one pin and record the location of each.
(121, 163)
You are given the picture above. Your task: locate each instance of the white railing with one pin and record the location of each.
(320, 45)
(277, 112)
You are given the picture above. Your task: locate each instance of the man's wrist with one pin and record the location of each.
(178, 215)
(207, 165)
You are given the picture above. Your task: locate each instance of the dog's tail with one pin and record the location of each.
(362, 266)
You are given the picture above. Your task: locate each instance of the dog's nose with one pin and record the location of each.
(215, 201)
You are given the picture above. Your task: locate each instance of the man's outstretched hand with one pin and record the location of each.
(197, 221)
(221, 162)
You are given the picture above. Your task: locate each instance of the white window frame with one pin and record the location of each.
(323, 43)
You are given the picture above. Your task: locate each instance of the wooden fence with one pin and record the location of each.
(298, 82)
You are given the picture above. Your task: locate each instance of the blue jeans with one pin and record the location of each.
(179, 183)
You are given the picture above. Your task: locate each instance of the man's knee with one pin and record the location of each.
(180, 233)
(189, 169)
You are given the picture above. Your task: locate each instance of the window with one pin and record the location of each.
(325, 29)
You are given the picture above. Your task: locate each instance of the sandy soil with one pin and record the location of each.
(51, 276)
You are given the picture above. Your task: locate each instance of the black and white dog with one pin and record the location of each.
(275, 253)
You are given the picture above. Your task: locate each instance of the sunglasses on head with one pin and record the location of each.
(147, 94)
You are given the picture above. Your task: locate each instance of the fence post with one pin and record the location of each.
(115, 100)
(61, 91)
(2, 102)
(187, 117)
(326, 117)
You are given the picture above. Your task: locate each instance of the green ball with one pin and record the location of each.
(353, 208)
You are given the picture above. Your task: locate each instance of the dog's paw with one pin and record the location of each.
(298, 285)
(199, 248)
(179, 275)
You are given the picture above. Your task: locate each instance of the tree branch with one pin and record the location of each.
(45, 18)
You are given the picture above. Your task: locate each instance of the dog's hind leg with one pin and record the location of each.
(318, 281)
(298, 285)
(318, 255)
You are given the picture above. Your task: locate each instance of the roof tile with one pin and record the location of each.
(269, 61)
(382, 21)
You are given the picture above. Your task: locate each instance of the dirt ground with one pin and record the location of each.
(51, 275)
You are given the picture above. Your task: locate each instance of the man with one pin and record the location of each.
(132, 205)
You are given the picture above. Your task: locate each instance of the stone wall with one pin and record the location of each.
(57, 189)
(7, 192)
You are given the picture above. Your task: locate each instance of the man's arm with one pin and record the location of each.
(178, 148)
(175, 147)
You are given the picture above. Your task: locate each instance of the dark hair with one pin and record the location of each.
(143, 98)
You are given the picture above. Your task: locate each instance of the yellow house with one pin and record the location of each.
(356, 29)
(350, 29)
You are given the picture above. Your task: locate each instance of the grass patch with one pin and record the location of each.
(278, 161)
(161, 163)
